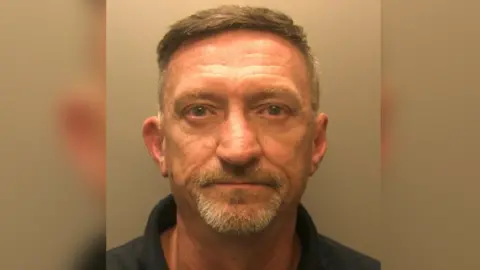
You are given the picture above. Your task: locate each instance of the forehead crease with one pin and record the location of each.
(239, 73)
(215, 71)
(236, 55)
(232, 58)
(243, 43)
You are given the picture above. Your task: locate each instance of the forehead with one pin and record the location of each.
(238, 54)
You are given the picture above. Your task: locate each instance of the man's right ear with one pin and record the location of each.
(154, 138)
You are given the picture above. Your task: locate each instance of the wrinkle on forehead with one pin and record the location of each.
(243, 42)
(238, 49)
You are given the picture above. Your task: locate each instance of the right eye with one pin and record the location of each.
(198, 112)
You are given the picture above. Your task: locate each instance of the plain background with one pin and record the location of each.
(45, 213)
(343, 197)
(431, 187)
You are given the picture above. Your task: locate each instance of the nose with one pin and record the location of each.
(238, 145)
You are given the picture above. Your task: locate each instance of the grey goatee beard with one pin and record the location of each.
(230, 216)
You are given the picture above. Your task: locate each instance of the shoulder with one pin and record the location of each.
(127, 256)
(337, 256)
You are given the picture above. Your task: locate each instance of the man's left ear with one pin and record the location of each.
(154, 138)
(319, 142)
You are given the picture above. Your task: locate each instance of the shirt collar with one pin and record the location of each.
(163, 217)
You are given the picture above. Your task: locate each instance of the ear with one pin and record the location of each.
(154, 138)
(319, 142)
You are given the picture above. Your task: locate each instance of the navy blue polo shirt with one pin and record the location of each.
(318, 252)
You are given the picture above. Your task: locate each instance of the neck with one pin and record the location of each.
(190, 246)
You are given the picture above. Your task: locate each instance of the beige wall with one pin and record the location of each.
(430, 195)
(343, 196)
(43, 208)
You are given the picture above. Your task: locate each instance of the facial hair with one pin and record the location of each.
(231, 212)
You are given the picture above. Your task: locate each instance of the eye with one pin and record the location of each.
(274, 111)
(198, 111)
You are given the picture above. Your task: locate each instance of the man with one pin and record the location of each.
(238, 134)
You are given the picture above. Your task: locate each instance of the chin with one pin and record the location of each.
(237, 215)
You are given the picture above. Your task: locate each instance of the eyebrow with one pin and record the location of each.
(275, 92)
(196, 95)
(251, 96)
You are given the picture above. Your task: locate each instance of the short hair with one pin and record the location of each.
(211, 22)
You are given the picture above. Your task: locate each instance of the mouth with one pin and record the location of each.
(233, 184)
(251, 187)
(242, 184)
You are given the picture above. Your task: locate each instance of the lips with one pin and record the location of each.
(239, 183)
(218, 179)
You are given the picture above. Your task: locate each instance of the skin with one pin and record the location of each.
(237, 116)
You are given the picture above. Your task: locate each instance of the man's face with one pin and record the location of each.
(238, 138)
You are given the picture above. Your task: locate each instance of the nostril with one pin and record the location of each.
(238, 167)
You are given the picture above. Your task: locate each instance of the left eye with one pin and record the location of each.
(274, 110)
(198, 111)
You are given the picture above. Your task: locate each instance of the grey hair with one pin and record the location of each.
(210, 22)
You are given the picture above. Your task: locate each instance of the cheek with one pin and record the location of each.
(186, 154)
(290, 151)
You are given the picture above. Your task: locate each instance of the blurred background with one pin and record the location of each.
(345, 203)
(47, 212)
(419, 210)
(430, 191)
